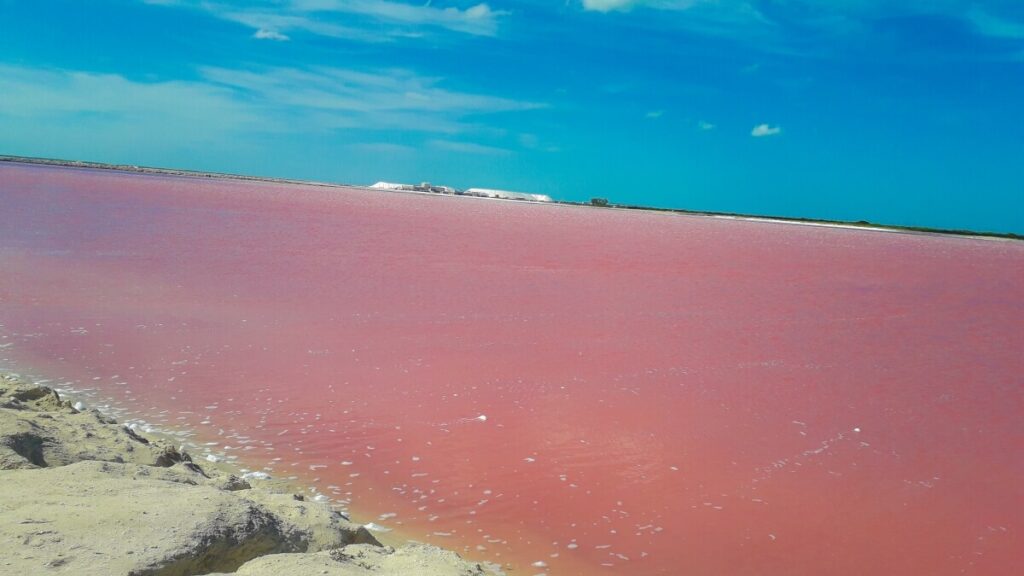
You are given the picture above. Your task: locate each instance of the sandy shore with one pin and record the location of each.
(85, 495)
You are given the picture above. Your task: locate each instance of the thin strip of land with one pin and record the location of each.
(851, 224)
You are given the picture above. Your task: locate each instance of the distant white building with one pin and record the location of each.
(481, 192)
(391, 186)
(491, 193)
(422, 187)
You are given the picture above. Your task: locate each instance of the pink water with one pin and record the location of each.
(662, 394)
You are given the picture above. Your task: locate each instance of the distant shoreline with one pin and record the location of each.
(847, 224)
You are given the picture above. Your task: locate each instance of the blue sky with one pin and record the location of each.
(902, 112)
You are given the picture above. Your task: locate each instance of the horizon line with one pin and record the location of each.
(864, 225)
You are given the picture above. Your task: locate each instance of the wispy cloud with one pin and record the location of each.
(533, 142)
(479, 20)
(384, 148)
(463, 147)
(264, 34)
(278, 23)
(65, 113)
(816, 26)
(702, 125)
(741, 21)
(989, 24)
(358, 20)
(607, 5)
(36, 93)
(762, 130)
(233, 106)
(624, 5)
(367, 99)
(654, 114)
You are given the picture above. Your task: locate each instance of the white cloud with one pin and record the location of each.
(350, 92)
(653, 114)
(802, 26)
(34, 93)
(479, 20)
(230, 119)
(279, 22)
(623, 5)
(762, 130)
(359, 20)
(62, 113)
(265, 34)
(739, 20)
(607, 5)
(702, 125)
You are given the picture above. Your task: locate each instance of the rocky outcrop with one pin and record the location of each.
(108, 518)
(83, 495)
(365, 560)
(40, 430)
(315, 524)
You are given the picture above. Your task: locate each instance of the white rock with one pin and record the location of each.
(373, 527)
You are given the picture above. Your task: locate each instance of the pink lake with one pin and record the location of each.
(595, 391)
